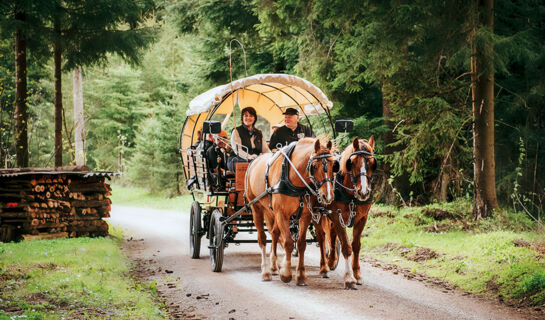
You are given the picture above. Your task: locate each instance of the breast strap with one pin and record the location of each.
(342, 196)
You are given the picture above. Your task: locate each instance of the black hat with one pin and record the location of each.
(291, 111)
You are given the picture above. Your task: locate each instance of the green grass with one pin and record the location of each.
(138, 197)
(83, 278)
(480, 257)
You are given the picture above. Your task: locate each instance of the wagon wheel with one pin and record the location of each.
(195, 230)
(339, 253)
(216, 241)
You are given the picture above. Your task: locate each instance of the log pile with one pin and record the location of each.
(71, 205)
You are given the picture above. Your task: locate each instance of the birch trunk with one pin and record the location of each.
(79, 121)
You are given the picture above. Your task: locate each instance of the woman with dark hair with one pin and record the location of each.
(246, 139)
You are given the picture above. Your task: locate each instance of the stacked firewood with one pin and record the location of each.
(53, 204)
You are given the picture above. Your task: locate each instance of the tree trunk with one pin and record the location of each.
(21, 112)
(58, 96)
(79, 121)
(482, 78)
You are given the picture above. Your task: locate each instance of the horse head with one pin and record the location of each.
(322, 166)
(358, 161)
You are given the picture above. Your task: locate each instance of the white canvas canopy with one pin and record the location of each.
(269, 94)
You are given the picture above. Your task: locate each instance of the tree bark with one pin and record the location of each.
(21, 112)
(58, 96)
(482, 78)
(79, 121)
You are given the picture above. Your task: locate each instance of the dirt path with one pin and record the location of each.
(160, 244)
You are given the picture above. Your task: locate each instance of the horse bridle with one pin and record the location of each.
(363, 171)
(310, 168)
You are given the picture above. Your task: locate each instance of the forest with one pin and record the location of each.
(407, 72)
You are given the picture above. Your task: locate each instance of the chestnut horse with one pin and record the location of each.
(314, 163)
(351, 205)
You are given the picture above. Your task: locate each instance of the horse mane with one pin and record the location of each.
(349, 150)
(324, 139)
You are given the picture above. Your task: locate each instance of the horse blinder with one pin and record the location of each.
(336, 166)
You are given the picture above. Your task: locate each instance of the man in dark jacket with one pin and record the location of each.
(291, 131)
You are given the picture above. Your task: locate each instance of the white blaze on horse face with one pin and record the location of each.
(363, 179)
(328, 191)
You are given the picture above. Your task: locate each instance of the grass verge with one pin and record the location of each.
(79, 278)
(138, 197)
(498, 257)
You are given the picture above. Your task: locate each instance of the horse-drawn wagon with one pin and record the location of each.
(219, 211)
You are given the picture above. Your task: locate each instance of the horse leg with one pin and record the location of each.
(284, 227)
(333, 256)
(356, 246)
(304, 222)
(275, 234)
(346, 249)
(257, 213)
(322, 239)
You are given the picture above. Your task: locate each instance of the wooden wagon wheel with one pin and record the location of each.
(216, 241)
(195, 230)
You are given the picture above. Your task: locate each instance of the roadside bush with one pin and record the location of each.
(524, 279)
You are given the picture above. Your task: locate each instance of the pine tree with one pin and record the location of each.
(85, 32)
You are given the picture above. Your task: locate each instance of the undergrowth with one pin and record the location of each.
(502, 256)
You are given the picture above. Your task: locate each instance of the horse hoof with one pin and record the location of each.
(324, 275)
(350, 286)
(359, 282)
(274, 272)
(285, 279)
(267, 276)
(301, 283)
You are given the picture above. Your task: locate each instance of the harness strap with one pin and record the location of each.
(284, 185)
(342, 195)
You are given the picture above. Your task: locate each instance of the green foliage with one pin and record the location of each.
(116, 107)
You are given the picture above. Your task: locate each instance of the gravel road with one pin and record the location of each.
(160, 243)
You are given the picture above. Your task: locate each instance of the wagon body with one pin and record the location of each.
(218, 211)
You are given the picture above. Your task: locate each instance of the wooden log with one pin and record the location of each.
(7, 233)
(45, 236)
(19, 194)
(89, 188)
(6, 215)
(91, 203)
(13, 221)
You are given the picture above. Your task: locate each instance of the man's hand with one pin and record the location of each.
(252, 156)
